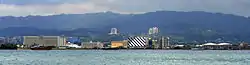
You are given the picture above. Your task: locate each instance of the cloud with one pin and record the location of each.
(29, 2)
(22, 10)
(45, 7)
(237, 7)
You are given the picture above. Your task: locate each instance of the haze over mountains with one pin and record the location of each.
(188, 25)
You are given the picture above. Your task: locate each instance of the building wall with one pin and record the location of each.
(164, 42)
(92, 45)
(62, 41)
(43, 40)
(1, 41)
(243, 45)
(117, 44)
(154, 43)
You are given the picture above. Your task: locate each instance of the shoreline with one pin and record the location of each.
(109, 49)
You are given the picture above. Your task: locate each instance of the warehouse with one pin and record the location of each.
(44, 41)
(91, 45)
(119, 44)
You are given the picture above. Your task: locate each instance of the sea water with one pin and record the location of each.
(125, 57)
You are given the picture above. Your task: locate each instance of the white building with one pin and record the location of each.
(73, 46)
(154, 30)
(114, 31)
(150, 31)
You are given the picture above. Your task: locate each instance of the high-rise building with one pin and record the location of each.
(114, 31)
(165, 42)
(168, 42)
(154, 30)
(150, 31)
(152, 43)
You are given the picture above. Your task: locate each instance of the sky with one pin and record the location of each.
(52, 7)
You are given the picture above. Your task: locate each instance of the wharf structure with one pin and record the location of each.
(219, 46)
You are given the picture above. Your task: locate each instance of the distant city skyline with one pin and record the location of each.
(52, 7)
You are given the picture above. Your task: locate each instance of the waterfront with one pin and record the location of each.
(125, 57)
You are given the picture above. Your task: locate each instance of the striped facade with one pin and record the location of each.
(137, 42)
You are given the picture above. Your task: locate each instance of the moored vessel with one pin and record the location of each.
(110, 48)
(41, 48)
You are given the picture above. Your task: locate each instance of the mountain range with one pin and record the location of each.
(194, 25)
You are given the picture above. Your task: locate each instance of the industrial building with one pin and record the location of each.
(44, 41)
(91, 45)
(119, 44)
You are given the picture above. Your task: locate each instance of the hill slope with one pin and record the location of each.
(189, 25)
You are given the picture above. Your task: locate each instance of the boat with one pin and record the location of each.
(41, 48)
(196, 49)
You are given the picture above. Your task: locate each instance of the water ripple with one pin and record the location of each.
(124, 57)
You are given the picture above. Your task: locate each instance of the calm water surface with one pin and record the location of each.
(124, 57)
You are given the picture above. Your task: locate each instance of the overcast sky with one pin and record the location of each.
(50, 7)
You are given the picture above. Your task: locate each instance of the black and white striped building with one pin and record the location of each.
(137, 42)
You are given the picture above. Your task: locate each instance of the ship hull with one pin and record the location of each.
(41, 48)
(110, 48)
